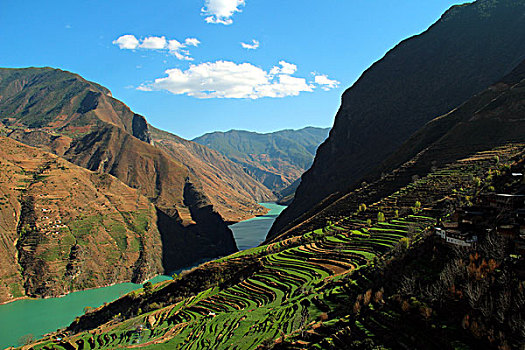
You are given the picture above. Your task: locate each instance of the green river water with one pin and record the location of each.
(40, 316)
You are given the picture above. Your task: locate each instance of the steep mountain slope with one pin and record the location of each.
(54, 100)
(336, 286)
(61, 112)
(65, 228)
(276, 159)
(468, 49)
(230, 189)
(492, 118)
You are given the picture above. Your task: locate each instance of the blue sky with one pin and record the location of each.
(308, 53)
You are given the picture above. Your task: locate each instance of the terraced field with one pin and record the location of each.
(296, 285)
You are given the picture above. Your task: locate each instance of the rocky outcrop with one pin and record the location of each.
(140, 128)
(468, 49)
(206, 232)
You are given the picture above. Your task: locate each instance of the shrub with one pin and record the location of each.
(148, 288)
(26, 339)
(404, 242)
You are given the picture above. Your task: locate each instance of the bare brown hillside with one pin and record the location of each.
(230, 189)
(63, 113)
(65, 228)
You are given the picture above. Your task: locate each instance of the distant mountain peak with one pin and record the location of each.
(277, 159)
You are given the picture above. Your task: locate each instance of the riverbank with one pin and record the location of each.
(40, 316)
(252, 232)
(37, 317)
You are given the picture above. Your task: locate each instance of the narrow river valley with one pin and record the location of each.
(36, 317)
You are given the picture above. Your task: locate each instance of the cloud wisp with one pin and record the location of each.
(225, 79)
(325, 83)
(174, 47)
(221, 11)
(254, 45)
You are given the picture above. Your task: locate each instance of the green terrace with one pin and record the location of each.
(297, 284)
(261, 307)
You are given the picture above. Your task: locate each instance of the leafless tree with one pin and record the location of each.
(502, 305)
(408, 285)
(473, 291)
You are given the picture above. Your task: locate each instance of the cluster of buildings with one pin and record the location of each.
(503, 213)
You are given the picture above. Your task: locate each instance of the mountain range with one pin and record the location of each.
(429, 141)
(195, 191)
(276, 159)
(63, 114)
(80, 120)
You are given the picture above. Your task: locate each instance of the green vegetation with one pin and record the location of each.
(303, 289)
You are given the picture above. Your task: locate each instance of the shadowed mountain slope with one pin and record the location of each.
(492, 118)
(469, 48)
(230, 189)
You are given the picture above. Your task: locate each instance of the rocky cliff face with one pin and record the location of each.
(140, 128)
(468, 49)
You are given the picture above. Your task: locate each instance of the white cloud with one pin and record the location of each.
(174, 47)
(183, 55)
(154, 43)
(224, 79)
(286, 68)
(325, 83)
(127, 42)
(192, 42)
(254, 45)
(221, 11)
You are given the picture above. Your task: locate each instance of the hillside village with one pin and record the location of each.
(503, 213)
